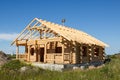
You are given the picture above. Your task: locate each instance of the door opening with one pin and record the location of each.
(41, 54)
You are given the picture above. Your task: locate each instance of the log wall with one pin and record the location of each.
(70, 54)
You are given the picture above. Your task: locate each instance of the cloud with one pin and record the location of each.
(6, 36)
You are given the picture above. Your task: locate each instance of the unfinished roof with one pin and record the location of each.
(39, 26)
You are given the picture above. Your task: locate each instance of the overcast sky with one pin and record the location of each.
(99, 18)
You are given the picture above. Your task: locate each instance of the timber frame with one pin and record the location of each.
(47, 42)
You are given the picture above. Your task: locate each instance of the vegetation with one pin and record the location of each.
(111, 71)
(12, 65)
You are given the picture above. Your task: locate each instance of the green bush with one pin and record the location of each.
(13, 65)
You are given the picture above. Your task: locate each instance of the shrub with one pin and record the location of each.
(13, 65)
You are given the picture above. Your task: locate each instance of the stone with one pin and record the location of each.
(3, 58)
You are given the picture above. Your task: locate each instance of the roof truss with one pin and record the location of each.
(38, 29)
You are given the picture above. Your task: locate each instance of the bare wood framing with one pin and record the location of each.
(40, 32)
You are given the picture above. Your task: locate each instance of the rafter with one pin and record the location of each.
(44, 29)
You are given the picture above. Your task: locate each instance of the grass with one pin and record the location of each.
(111, 71)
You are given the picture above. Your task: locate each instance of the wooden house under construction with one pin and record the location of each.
(47, 42)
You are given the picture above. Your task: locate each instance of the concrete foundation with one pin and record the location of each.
(61, 67)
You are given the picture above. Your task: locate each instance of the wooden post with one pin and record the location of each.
(35, 52)
(90, 52)
(54, 52)
(28, 53)
(40, 34)
(45, 52)
(103, 52)
(17, 52)
(30, 34)
(81, 54)
(38, 52)
(45, 34)
(70, 47)
(63, 53)
(26, 49)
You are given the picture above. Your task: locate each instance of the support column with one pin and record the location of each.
(93, 52)
(63, 53)
(17, 52)
(38, 47)
(90, 52)
(28, 57)
(71, 55)
(81, 54)
(26, 49)
(103, 52)
(40, 34)
(45, 34)
(45, 52)
(35, 52)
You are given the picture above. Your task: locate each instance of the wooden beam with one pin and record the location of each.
(21, 42)
(81, 53)
(28, 55)
(26, 49)
(53, 27)
(90, 48)
(103, 53)
(17, 52)
(45, 51)
(40, 34)
(45, 34)
(63, 53)
(29, 30)
(34, 34)
(35, 51)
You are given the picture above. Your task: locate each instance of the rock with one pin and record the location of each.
(23, 69)
(82, 67)
(75, 67)
(3, 58)
(92, 67)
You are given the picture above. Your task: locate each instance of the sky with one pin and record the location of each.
(99, 18)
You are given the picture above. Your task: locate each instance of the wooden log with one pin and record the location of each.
(40, 34)
(81, 54)
(90, 48)
(45, 51)
(35, 51)
(17, 52)
(63, 53)
(26, 48)
(28, 57)
(103, 52)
